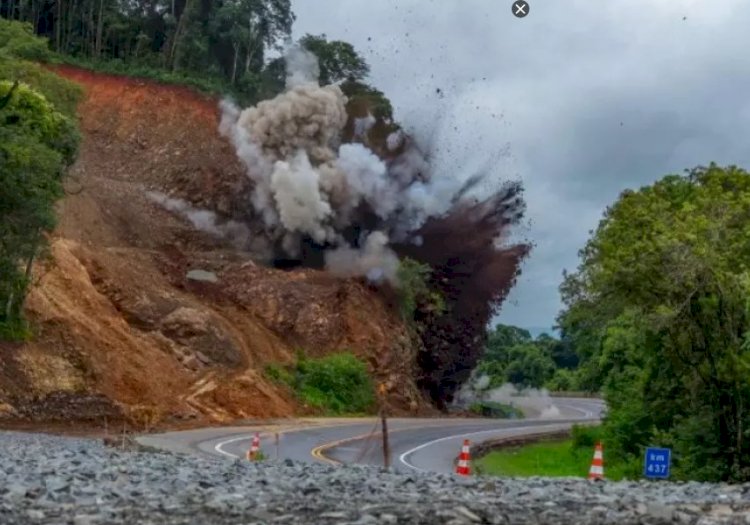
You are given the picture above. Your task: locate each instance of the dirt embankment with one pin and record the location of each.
(121, 328)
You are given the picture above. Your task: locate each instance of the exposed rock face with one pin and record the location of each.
(138, 307)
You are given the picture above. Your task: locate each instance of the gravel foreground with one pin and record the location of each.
(53, 480)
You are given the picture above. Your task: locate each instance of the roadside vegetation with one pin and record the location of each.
(554, 458)
(658, 312)
(338, 384)
(38, 141)
(656, 319)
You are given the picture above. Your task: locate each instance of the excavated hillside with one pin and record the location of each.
(139, 314)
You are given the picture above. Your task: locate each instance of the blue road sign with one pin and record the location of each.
(657, 463)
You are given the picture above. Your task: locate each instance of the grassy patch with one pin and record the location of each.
(337, 384)
(547, 458)
(560, 458)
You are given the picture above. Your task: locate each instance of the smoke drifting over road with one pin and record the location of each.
(533, 402)
(324, 202)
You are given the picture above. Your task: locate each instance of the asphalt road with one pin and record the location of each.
(416, 443)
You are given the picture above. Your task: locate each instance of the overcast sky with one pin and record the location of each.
(590, 97)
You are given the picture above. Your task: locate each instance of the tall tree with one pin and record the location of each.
(337, 60)
(37, 143)
(660, 303)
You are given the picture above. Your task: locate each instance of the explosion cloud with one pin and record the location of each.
(324, 202)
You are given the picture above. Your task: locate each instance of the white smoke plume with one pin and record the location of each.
(204, 220)
(302, 206)
(301, 67)
(362, 126)
(307, 185)
(533, 402)
(375, 260)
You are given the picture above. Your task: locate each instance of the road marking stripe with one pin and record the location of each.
(402, 457)
(318, 451)
(219, 447)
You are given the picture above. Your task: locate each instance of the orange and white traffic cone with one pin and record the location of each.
(462, 468)
(252, 452)
(597, 464)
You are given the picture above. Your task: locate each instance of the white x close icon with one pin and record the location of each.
(520, 8)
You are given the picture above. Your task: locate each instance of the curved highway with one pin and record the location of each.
(416, 443)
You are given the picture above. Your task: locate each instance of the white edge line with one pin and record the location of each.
(220, 445)
(402, 457)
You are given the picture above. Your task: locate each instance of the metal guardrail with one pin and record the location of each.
(482, 449)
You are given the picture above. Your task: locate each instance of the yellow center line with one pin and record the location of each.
(318, 452)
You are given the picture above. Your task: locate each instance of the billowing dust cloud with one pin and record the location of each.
(534, 403)
(308, 186)
(326, 202)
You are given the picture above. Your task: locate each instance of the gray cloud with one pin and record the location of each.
(592, 97)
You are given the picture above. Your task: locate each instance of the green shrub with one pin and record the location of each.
(336, 384)
(414, 291)
(63, 94)
(18, 46)
(563, 380)
(495, 409)
(585, 436)
(17, 40)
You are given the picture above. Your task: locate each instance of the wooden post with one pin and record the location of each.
(277, 445)
(386, 449)
(384, 423)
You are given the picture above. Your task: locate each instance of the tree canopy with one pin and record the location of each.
(659, 313)
(337, 60)
(37, 143)
(228, 46)
(513, 356)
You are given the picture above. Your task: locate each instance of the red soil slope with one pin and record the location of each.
(122, 332)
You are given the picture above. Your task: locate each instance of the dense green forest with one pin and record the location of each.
(217, 41)
(226, 46)
(659, 314)
(38, 140)
(514, 356)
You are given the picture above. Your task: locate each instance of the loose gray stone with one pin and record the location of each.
(50, 480)
(202, 276)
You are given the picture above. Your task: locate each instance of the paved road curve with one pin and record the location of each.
(416, 444)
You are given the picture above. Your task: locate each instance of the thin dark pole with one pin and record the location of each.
(384, 422)
(386, 447)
